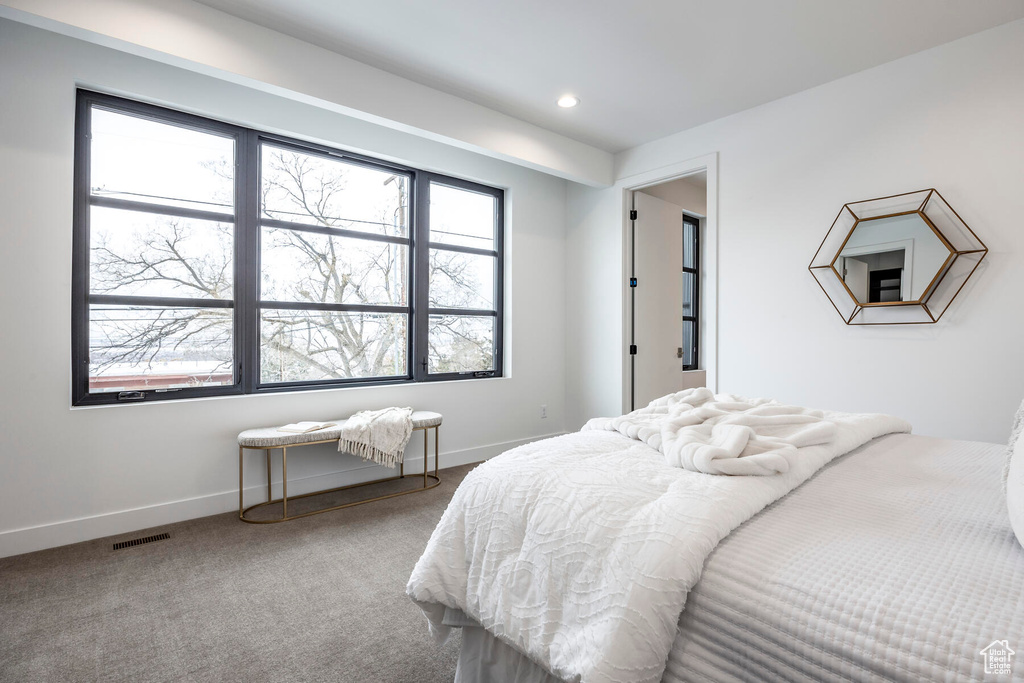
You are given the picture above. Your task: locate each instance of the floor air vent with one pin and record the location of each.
(139, 541)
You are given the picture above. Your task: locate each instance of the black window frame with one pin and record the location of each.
(695, 271)
(422, 258)
(248, 224)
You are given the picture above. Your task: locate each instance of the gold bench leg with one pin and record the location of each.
(241, 506)
(269, 485)
(284, 483)
(437, 450)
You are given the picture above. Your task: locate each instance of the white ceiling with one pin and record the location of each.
(643, 70)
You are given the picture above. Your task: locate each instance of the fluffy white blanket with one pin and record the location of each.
(723, 434)
(377, 435)
(579, 551)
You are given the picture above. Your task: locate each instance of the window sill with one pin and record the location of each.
(269, 394)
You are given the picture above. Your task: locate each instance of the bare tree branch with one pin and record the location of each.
(194, 259)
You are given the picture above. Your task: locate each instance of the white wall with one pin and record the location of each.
(689, 196)
(72, 474)
(949, 118)
(594, 304)
(198, 38)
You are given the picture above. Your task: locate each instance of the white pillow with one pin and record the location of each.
(1015, 477)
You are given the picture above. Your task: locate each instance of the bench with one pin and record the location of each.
(269, 438)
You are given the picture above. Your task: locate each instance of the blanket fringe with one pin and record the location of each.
(368, 452)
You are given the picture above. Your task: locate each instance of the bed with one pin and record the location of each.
(894, 561)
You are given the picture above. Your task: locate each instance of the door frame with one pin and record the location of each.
(708, 287)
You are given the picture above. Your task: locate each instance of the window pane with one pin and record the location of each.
(689, 245)
(304, 266)
(461, 217)
(321, 345)
(461, 343)
(315, 190)
(459, 280)
(689, 330)
(136, 253)
(689, 291)
(138, 348)
(142, 160)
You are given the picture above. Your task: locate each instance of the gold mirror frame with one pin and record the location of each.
(966, 252)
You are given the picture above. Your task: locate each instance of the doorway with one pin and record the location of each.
(667, 221)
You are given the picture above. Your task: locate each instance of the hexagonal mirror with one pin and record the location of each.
(892, 259)
(896, 260)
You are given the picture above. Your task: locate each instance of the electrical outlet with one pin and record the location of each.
(543, 412)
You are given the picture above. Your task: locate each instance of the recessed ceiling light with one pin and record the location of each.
(567, 101)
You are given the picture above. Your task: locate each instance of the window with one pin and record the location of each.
(463, 279)
(334, 269)
(211, 259)
(691, 292)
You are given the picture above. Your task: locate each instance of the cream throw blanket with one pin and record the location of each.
(723, 434)
(377, 435)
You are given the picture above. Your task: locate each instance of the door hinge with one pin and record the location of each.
(632, 349)
(632, 282)
(632, 215)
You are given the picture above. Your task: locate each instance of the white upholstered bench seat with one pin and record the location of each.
(270, 437)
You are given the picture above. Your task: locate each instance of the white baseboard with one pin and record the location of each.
(18, 541)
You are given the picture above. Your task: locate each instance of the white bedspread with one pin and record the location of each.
(906, 572)
(579, 551)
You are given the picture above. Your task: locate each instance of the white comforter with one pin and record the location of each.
(579, 551)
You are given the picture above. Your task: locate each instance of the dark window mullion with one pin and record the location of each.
(158, 301)
(468, 312)
(499, 282)
(441, 246)
(301, 385)
(163, 209)
(247, 260)
(81, 253)
(421, 276)
(411, 325)
(324, 306)
(339, 232)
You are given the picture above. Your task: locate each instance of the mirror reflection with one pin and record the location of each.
(891, 259)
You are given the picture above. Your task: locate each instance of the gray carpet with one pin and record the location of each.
(315, 599)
